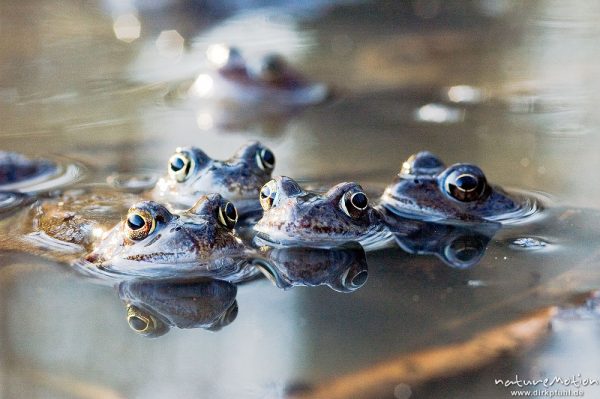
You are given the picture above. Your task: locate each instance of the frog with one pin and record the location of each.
(273, 86)
(295, 216)
(154, 306)
(192, 173)
(64, 226)
(152, 241)
(88, 231)
(343, 269)
(426, 189)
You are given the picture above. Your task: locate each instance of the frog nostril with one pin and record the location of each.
(92, 258)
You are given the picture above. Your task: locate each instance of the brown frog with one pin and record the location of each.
(425, 189)
(294, 216)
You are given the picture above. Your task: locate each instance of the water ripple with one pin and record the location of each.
(39, 175)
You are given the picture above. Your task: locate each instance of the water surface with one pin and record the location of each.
(510, 87)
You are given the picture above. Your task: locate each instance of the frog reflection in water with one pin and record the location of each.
(293, 216)
(343, 269)
(425, 189)
(459, 247)
(153, 306)
(192, 173)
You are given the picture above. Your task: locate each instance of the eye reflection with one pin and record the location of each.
(226, 318)
(144, 323)
(360, 279)
(343, 269)
(137, 323)
(465, 251)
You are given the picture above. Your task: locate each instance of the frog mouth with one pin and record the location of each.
(265, 239)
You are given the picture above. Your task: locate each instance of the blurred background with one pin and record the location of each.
(511, 86)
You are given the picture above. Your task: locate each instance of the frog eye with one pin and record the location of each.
(464, 251)
(354, 203)
(228, 215)
(140, 322)
(180, 166)
(268, 194)
(466, 184)
(421, 163)
(354, 279)
(273, 67)
(144, 323)
(140, 224)
(265, 159)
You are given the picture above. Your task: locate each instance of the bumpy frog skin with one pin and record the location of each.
(79, 217)
(343, 269)
(66, 227)
(192, 173)
(293, 216)
(154, 242)
(425, 189)
(153, 306)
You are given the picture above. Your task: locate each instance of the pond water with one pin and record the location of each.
(509, 86)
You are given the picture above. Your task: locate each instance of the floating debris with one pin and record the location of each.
(528, 243)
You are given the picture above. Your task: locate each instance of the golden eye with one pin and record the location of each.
(265, 159)
(268, 193)
(354, 203)
(140, 322)
(140, 224)
(228, 215)
(180, 166)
